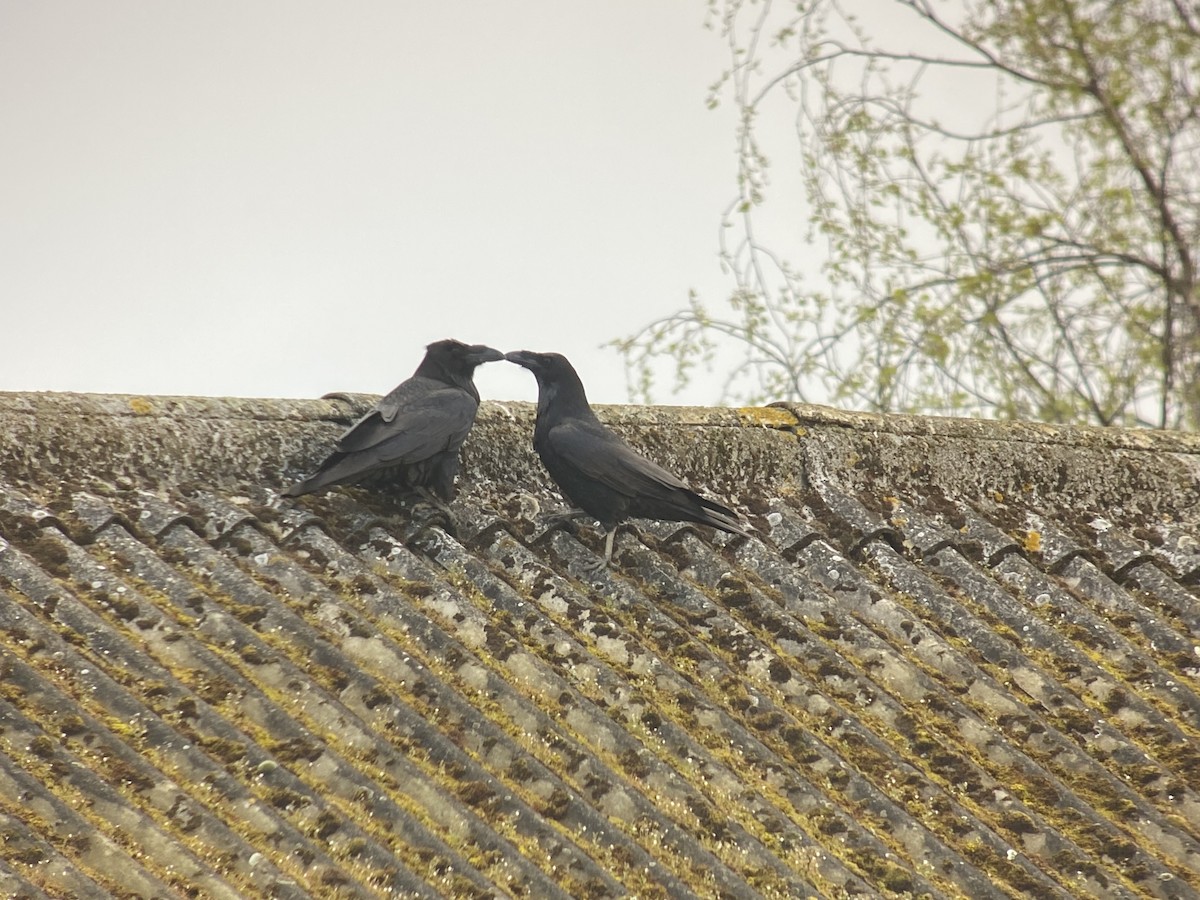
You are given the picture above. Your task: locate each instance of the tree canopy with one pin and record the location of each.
(996, 211)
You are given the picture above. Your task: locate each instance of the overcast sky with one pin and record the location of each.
(283, 199)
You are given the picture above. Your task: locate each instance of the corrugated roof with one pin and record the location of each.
(962, 661)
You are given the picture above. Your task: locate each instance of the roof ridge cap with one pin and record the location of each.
(811, 415)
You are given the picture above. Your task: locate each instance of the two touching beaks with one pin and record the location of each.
(537, 363)
(525, 358)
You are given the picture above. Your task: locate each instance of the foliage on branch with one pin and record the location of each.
(1001, 211)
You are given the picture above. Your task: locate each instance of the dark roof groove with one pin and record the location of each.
(157, 795)
(1165, 596)
(22, 846)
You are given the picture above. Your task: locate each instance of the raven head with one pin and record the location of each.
(464, 357)
(544, 366)
(558, 382)
(453, 362)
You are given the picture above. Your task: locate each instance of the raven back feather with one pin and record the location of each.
(416, 431)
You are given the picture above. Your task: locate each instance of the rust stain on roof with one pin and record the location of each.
(947, 669)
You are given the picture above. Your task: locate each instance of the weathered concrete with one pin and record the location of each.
(740, 453)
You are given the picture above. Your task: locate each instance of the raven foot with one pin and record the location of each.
(598, 566)
(428, 510)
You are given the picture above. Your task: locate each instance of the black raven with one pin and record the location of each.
(599, 472)
(417, 429)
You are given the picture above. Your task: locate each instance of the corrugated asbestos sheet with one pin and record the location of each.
(961, 662)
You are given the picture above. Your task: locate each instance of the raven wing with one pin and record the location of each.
(419, 426)
(599, 470)
(599, 455)
(418, 419)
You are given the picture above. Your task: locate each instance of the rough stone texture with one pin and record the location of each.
(961, 662)
(230, 440)
(1127, 472)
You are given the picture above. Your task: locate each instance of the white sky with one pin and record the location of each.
(290, 198)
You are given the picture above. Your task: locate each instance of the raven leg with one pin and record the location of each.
(439, 510)
(600, 565)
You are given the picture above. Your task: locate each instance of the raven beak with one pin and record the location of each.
(522, 358)
(481, 353)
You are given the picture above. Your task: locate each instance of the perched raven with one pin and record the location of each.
(599, 472)
(417, 429)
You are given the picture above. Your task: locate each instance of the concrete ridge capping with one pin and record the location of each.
(757, 451)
